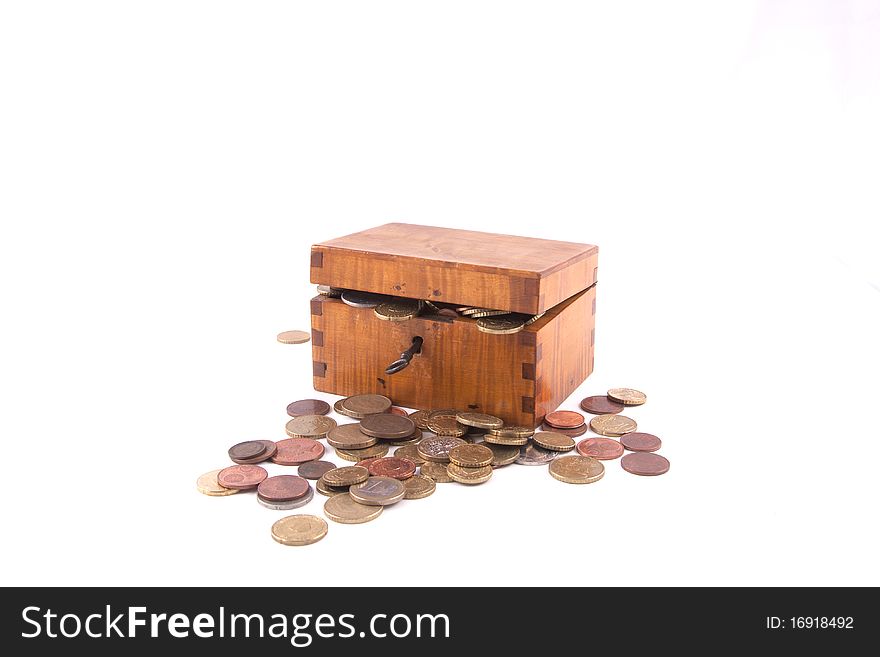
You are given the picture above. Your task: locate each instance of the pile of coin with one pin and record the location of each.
(437, 446)
(400, 309)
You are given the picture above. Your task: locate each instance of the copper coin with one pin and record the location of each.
(604, 449)
(293, 451)
(241, 477)
(410, 452)
(349, 436)
(346, 476)
(571, 433)
(309, 426)
(293, 337)
(282, 488)
(314, 469)
(265, 455)
(386, 425)
(612, 425)
(360, 406)
(308, 407)
(246, 450)
(640, 463)
(601, 405)
(392, 466)
(397, 410)
(338, 408)
(373, 451)
(627, 396)
(564, 419)
(640, 442)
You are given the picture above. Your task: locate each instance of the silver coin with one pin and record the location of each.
(437, 448)
(363, 299)
(378, 491)
(292, 504)
(534, 455)
(332, 292)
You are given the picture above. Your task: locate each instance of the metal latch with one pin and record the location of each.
(406, 356)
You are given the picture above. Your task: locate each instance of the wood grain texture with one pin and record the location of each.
(460, 366)
(564, 347)
(506, 272)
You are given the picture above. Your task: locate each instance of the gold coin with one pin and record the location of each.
(612, 425)
(553, 441)
(309, 426)
(420, 418)
(349, 436)
(342, 508)
(503, 454)
(471, 456)
(446, 426)
(398, 310)
(300, 529)
(469, 475)
(577, 469)
(436, 471)
(627, 396)
(443, 412)
(476, 313)
(348, 475)
(208, 485)
(419, 486)
(294, 337)
(359, 406)
(508, 430)
(502, 325)
(329, 491)
(509, 436)
(480, 420)
(356, 455)
(479, 314)
(410, 452)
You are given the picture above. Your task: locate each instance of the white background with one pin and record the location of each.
(165, 166)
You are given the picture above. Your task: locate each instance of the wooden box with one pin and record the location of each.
(518, 377)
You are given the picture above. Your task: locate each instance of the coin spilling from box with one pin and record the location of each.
(486, 335)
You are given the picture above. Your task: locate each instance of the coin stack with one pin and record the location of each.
(436, 446)
(400, 309)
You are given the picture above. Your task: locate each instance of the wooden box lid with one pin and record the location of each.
(503, 272)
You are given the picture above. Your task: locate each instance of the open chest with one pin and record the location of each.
(518, 366)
